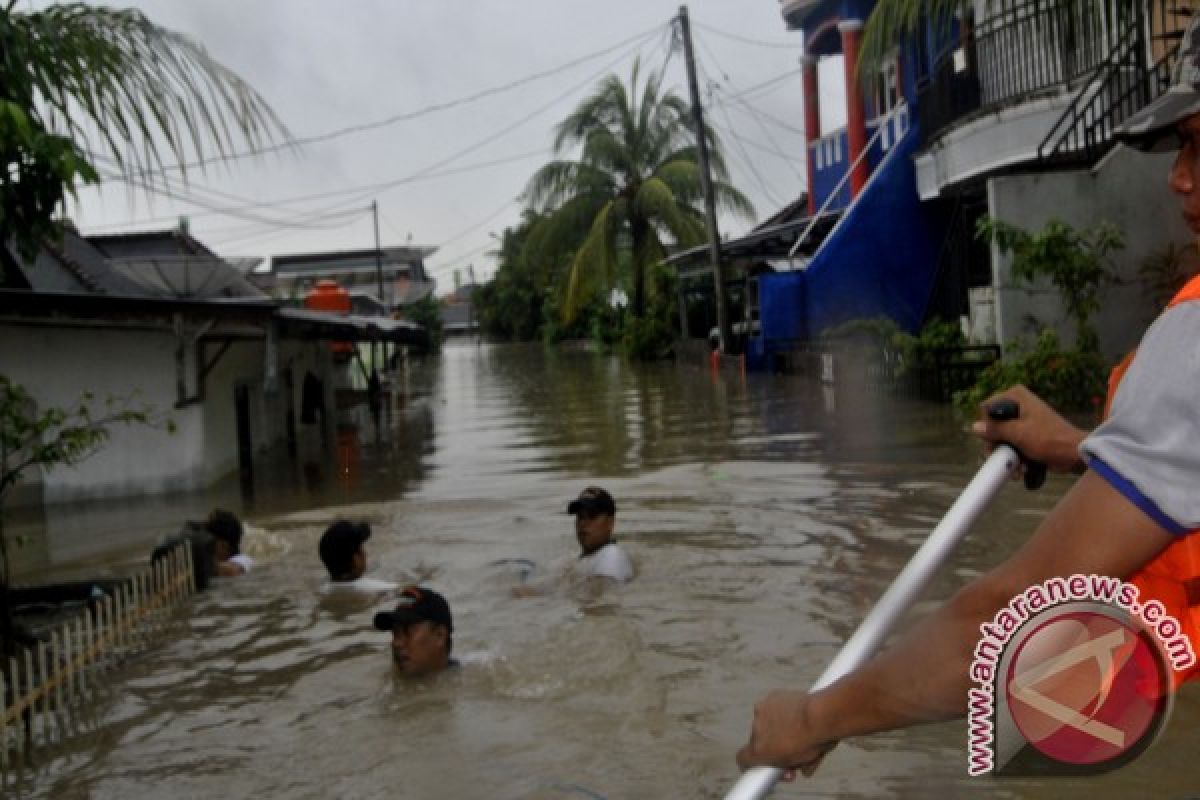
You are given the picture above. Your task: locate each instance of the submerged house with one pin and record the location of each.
(1006, 111)
(158, 321)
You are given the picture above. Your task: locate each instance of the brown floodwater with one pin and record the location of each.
(764, 516)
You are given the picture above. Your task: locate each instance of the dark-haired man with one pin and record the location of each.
(345, 558)
(595, 518)
(422, 632)
(226, 530)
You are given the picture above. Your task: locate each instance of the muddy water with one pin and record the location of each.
(763, 516)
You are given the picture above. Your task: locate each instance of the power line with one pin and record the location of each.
(364, 189)
(746, 39)
(404, 117)
(740, 151)
(758, 121)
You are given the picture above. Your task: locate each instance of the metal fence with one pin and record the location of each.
(1039, 46)
(46, 684)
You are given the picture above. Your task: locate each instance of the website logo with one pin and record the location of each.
(1074, 677)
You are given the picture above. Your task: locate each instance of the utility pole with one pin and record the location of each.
(378, 279)
(710, 200)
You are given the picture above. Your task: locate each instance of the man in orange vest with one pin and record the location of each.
(1131, 514)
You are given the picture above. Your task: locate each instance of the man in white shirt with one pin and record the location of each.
(595, 517)
(342, 553)
(226, 530)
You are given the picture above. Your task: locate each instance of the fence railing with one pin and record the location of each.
(44, 684)
(1038, 46)
(1125, 85)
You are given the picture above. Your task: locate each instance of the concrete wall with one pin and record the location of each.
(1128, 189)
(57, 365)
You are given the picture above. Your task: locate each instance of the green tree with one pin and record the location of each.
(82, 86)
(1075, 262)
(427, 313)
(634, 186)
(33, 439)
(510, 306)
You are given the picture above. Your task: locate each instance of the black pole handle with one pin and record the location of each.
(1035, 471)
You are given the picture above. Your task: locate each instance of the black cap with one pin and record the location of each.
(340, 542)
(417, 604)
(593, 499)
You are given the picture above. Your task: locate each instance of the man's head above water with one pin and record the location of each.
(422, 631)
(342, 552)
(595, 517)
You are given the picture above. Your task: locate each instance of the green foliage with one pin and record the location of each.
(1165, 271)
(651, 337)
(80, 84)
(1070, 380)
(635, 186)
(47, 439)
(920, 352)
(1075, 262)
(874, 332)
(647, 339)
(427, 313)
(510, 306)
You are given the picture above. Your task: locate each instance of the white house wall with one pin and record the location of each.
(1128, 189)
(57, 365)
(986, 144)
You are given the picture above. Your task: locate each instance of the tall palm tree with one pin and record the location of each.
(80, 84)
(635, 183)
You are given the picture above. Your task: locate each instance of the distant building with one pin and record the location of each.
(157, 319)
(458, 311)
(405, 280)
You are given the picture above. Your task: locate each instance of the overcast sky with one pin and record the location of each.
(456, 173)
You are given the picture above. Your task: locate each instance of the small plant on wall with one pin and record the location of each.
(32, 439)
(1076, 262)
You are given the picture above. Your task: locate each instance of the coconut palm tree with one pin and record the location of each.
(80, 85)
(634, 187)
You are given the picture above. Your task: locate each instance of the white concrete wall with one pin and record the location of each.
(57, 365)
(1129, 189)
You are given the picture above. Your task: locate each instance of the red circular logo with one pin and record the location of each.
(1085, 687)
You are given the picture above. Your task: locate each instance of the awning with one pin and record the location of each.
(774, 242)
(301, 323)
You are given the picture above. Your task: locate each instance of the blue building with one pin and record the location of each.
(1005, 110)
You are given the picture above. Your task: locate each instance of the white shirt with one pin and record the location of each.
(609, 561)
(360, 585)
(242, 560)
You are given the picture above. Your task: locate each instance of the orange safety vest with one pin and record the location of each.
(1172, 577)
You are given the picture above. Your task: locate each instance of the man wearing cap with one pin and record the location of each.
(595, 517)
(1131, 514)
(344, 556)
(422, 632)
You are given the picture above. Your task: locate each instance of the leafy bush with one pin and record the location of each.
(647, 339)
(428, 314)
(920, 351)
(1069, 380)
(879, 332)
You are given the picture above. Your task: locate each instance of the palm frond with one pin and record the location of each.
(115, 81)
(893, 21)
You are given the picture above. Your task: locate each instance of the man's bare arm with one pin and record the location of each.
(924, 677)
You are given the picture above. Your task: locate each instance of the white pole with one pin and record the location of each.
(757, 783)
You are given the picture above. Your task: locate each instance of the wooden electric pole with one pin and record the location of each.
(710, 200)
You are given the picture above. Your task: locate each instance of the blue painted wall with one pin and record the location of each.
(780, 314)
(881, 259)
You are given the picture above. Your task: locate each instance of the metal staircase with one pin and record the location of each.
(1124, 85)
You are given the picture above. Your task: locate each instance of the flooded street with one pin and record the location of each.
(764, 516)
